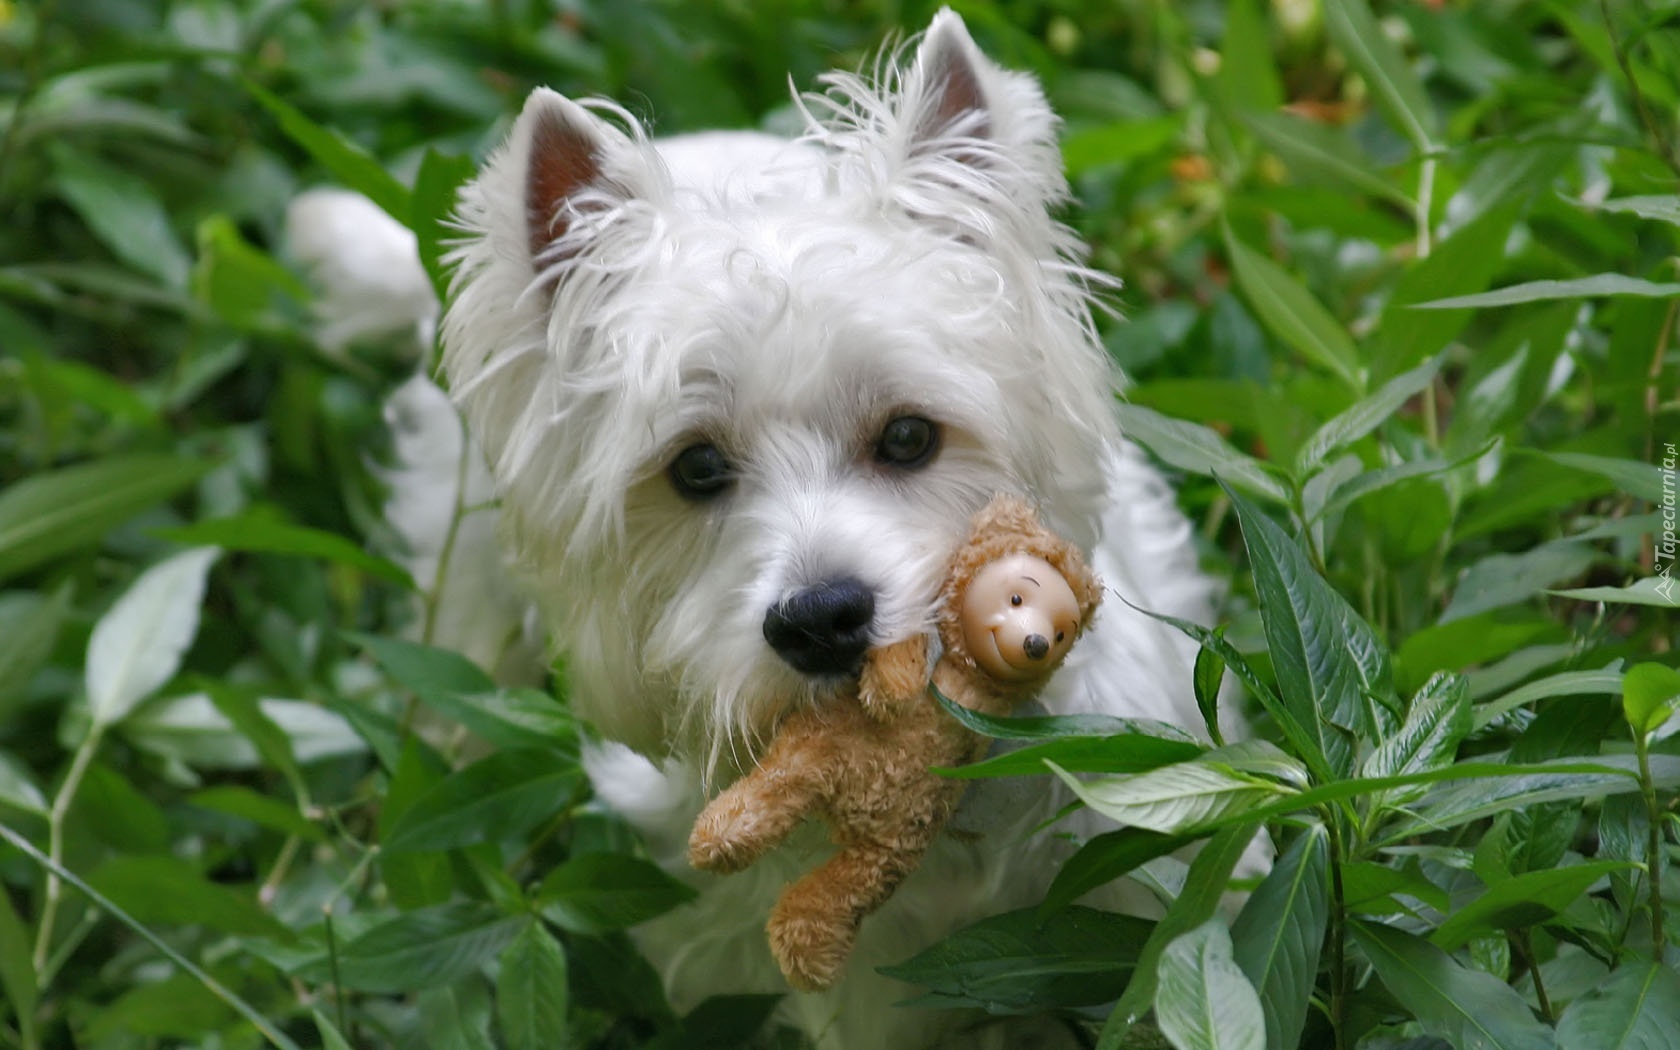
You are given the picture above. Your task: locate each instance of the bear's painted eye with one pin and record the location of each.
(700, 472)
(908, 442)
(1014, 599)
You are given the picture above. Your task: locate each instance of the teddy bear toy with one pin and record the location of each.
(1015, 598)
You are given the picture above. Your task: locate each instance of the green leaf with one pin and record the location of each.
(531, 992)
(1105, 858)
(1122, 753)
(599, 892)
(1522, 900)
(261, 533)
(1115, 143)
(1644, 480)
(53, 513)
(414, 880)
(240, 801)
(17, 787)
(331, 1037)
(1636, 1007)
(1189, 446)
(1661, 207)
(436, 187)
(169, 891)
(423, 949)
(124, 212)
(499, 796)
(1016, 963)
(1327, 659)
(1603, 284)
(1205, 884)
(1437, 720)
(1292, 314)
(349, 163)
(457, 1017)
(511, 718)
(1364, 416)
(1317, 155)
(1569, 683)
(1650, 696)
(424, 670)
(29, 626)
(1453, 804)
(1208, 676)
(1280, 931)
(1204, 1001)
(1173, 799)
(241, 283)
(17, 971)
(1056, 727)
(1466, 261)
(1465, 1007)
(1393, 85)
(138, 644)
(1659, 591)
(1248, 77)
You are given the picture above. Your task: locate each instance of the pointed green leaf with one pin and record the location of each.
(500, 796)
(436, 185)
(1105, 858)
(1326, 657)
(457, 1016)
(1569, 683)
(1644, 480)
(1292, 314)
(1393, 85)
(1248, 77)
(1436, 721)
(531, 992)
(17, 970)
(262, 533)
(1637, 1007)
(1208, 879)
(599, 892)
(1662, 207)
(423, 949)
(53, 513)
(171, 892)
(1650, 696)
(1465, 1007)
(1522, 900)
(1364, 416)
(1317, 155)
(1279, 933)
(124, 212)
(348, 162)
(1016, 963)
(1663, 592)
(1603, 284)
(1204, 1001)
(138, 644)
(1174, 799)
(1192, 447)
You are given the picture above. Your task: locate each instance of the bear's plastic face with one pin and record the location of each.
(1019, 618)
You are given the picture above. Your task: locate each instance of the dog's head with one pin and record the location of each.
(741, 397)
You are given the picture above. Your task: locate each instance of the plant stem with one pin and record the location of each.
(55, 844)
(216, 988)
(1337, 934)
(1653, 843)
(1426, 193)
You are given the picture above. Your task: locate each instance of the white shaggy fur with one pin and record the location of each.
(783, 301)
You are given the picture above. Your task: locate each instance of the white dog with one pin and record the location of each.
(739, 397)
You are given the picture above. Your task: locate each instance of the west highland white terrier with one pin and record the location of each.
(738, 397)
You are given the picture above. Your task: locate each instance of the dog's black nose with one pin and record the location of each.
(823, 629)
(1036, 646)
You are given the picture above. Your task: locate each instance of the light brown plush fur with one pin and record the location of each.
(864, 765)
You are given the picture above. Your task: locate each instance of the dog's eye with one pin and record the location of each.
(908, 441)
(700, 472)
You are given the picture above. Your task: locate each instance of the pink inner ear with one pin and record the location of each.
(958, 94)
(563, 162)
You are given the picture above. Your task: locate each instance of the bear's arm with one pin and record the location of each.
(894, 678)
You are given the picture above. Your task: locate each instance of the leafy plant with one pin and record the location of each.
(1400, 316)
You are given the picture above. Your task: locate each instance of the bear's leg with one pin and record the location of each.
(815, 922)
(750, 818)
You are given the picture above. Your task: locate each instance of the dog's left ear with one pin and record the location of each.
(969, 126)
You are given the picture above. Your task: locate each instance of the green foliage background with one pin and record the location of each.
(1400, 310)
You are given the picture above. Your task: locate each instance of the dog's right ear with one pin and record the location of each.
(577, 168)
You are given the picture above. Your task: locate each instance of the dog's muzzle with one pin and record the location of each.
(823, 629)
